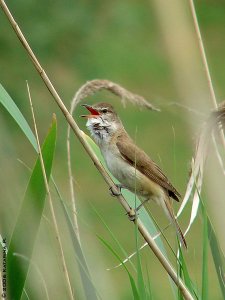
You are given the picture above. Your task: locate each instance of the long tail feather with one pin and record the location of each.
(169, 212)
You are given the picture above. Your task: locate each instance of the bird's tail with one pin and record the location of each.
(167, 206)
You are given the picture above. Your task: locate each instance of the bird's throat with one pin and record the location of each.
(100, 130)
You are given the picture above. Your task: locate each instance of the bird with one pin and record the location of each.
(129, 164)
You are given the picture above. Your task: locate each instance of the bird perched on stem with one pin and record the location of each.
(129, 164)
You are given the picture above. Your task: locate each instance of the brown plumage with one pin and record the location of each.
(138, 158)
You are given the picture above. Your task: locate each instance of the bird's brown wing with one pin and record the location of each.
(138, 158)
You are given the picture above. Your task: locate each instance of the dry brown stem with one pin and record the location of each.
(205, 64)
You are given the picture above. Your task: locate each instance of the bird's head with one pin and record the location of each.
(102, 120)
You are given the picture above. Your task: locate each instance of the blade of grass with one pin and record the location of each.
(37, 270)
(132, 282)
(112, 234)
(88, 285)
(218, 256)
(140, 277)
(205, 255)
(150, 297)
(217, 253)
(186, 276)
(28, 221)
(15, 113)
(179, 273)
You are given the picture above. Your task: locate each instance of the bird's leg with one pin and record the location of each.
(140, 206)
(115, 193)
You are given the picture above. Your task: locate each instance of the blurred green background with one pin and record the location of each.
(120, 41)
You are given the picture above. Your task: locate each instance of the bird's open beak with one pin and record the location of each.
(94, 112)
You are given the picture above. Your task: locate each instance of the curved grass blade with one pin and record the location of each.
(38, 271)
(140, 277)
(15, 113)
(218, 256)
(205, 282)
(112, 235)
(217, 253)
(28, 221)
(132, 282)
(184, 271)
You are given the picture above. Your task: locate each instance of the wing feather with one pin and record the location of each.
(137, 157)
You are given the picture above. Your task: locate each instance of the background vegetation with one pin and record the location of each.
(123, 41)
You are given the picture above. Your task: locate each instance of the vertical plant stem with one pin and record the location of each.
(205, 283)
(66, 273)
(72, 192)
(205, 63)
(203, 55)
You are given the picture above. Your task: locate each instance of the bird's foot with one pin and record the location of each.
(132, 215)
(115, 193)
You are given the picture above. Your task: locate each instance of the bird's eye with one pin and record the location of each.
(104, 110)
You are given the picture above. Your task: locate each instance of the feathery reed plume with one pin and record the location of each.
(214, 122)
(93, 86)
